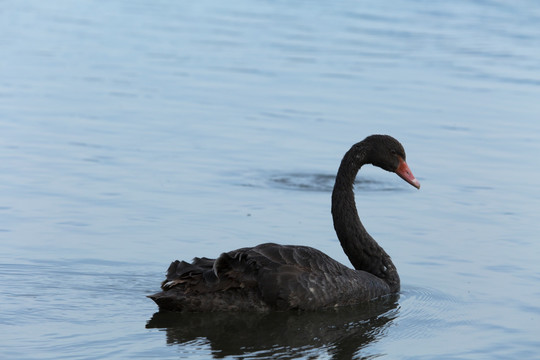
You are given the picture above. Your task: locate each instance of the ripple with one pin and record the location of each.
(323, 182)
(423, 310)
(315, 182)
(307, 182)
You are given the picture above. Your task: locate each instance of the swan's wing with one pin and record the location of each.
(301, 277)
(283, 277)
(190, 276)
(196, 287)
(298, 277)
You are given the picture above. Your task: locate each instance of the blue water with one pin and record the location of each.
(136, 133)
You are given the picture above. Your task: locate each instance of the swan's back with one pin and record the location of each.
(266, 277)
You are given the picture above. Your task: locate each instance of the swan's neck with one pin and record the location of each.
(362, 250)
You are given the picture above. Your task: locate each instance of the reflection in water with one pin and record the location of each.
(341, 332)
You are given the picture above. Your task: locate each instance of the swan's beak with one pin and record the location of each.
(406, 174)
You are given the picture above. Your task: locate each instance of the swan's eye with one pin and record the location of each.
(394, 152)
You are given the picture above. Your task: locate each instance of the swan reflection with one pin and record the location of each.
(341, 333)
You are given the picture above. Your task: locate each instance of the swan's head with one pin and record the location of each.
(387, 153)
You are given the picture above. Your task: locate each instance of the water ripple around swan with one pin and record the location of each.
(423, 310)
(316, 182)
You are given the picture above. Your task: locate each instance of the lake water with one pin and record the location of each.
(135, 133)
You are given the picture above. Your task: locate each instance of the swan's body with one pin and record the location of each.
(281, 277)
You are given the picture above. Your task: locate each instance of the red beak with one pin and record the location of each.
(406, 174)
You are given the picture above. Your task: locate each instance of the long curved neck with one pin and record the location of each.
(362, 250)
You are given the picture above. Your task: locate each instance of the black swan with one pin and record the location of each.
(282, 277)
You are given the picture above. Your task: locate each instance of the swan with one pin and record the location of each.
(286, 277)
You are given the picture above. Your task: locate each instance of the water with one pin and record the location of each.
(136, 133)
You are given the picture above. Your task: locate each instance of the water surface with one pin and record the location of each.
(136, 133)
